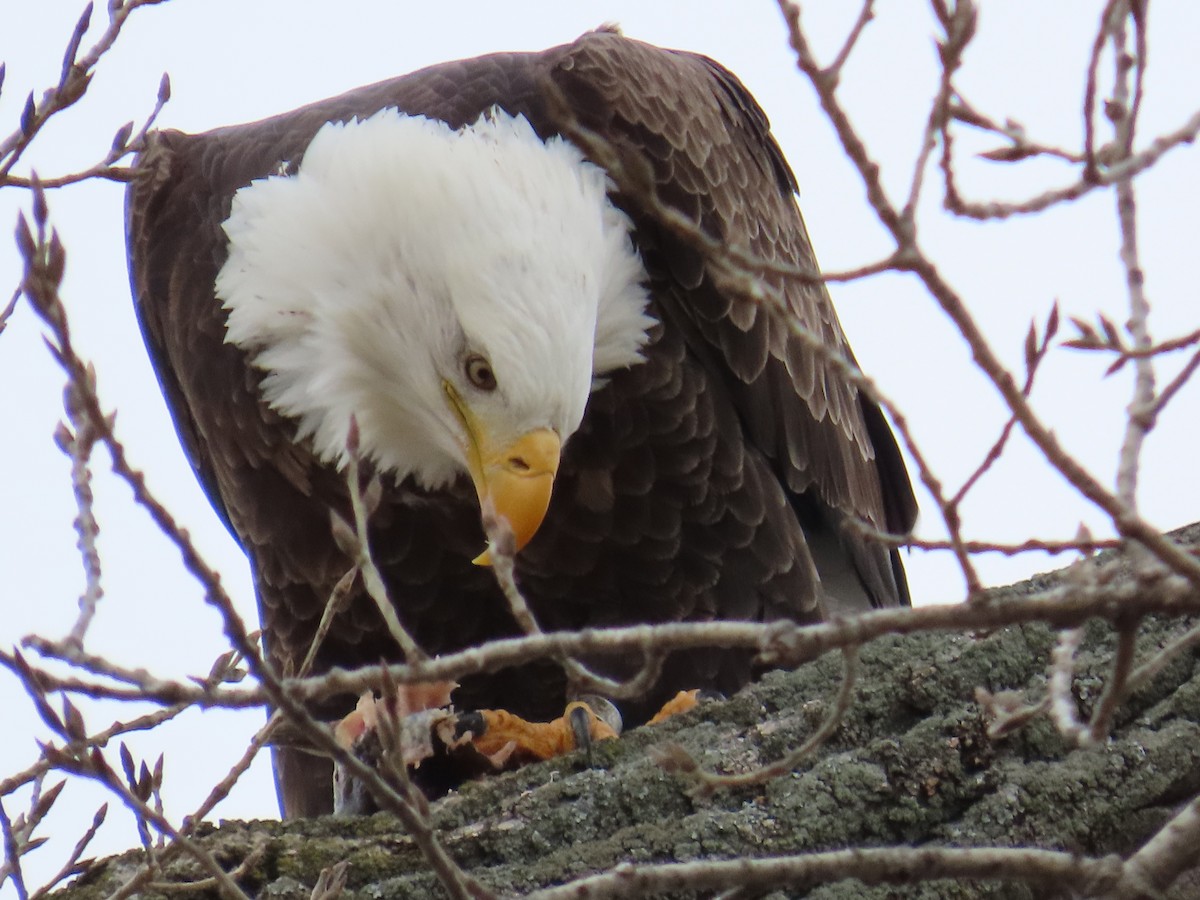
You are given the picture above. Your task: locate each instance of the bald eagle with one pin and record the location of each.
(509, 318)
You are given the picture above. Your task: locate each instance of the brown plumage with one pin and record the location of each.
(710, 481)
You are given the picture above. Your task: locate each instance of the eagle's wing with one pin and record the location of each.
(680, 130)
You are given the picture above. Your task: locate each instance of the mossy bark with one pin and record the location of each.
(911, 764)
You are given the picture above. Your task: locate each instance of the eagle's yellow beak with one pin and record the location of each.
(517, 479)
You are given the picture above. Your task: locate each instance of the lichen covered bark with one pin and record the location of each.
(912, 764)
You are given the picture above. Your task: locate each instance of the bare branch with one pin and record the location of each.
(1141, 408)
(1131, 167)
(1044, 868)
(356, 543)
(1062, 675)
(12, 853)
(674, 759)
(1124, 518)
(1170, 852)
(73, 82)
(865, 15)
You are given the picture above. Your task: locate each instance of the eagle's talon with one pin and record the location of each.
(581, 729)
(604, 710)
(496, 731)
(469, 725)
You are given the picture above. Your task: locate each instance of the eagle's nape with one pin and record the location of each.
(708, 480)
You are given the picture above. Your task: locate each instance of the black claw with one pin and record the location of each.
(606, 711)
(471, 723)
(706, 694)
(581, 727)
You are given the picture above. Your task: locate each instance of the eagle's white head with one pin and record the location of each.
(458, 292)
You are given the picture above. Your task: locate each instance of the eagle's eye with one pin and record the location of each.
(479, 372)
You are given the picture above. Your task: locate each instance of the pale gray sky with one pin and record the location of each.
(235, 60)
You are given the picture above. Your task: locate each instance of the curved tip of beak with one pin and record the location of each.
(518, 481)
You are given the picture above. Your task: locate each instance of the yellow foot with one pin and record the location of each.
(504, 737)
(680, 703)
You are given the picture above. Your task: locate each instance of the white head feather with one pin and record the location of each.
(400, 247)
